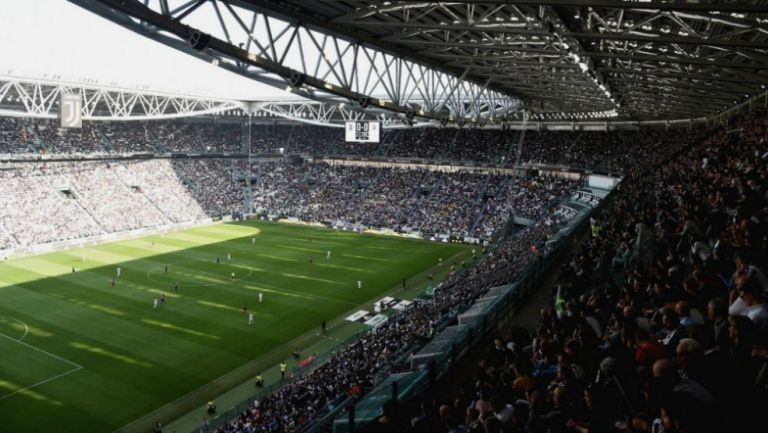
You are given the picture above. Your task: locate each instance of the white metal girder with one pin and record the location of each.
(333, 115)
(39, 98)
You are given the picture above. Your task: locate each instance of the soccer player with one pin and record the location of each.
(113, 281)
(162, 298)
(283, 368)
(73, 269)
(229, 258)
(176, 287)
(166, 270)
(245, 307)
(328, 254)
(250, 318)
(233, 276)
(253, 241)
(324, 327)
(154, 303)
(118, 272)
(218, 260)
(359, 284)
(311, 260)
(261, 297)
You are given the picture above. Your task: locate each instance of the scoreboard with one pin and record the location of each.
(363, 132)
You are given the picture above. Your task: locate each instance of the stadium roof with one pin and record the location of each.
(654, 59)
(473, 61)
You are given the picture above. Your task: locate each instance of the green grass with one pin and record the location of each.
(78, 355)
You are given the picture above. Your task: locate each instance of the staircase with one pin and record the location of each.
(386, 142)
(484, 206)
(106, 144)
(85, 210)
(36, 144)
(570, 147)
(448, 149)
(436, 187)
(146, 197)
(512, 145)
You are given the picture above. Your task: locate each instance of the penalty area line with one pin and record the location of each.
(75, 367)
(42, 382)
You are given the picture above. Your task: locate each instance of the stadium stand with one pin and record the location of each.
(102, 197)
(465, 216)
(667, 291)
(657, 323)
(611, 151)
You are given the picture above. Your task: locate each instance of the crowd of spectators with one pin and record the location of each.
(97, 197)
(170, 136)
(612, 151)
(427, 143)
(450, 203)
(44, 136)
(160, 183)
(657, 323)
(33, 212)
(100, 191)
(15, 136)
(42, 203)
(215, 184)
(54, 140)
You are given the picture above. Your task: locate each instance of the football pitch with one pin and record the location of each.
(78, 354)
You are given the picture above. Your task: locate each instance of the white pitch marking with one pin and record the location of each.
(76, 366)
(43, 382)
(26, 328)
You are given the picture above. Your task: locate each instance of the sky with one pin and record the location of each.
(54, 37)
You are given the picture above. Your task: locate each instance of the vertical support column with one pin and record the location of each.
(519, 152)
(246, 145)
(431, 373)
(395, 391)
(351, 417)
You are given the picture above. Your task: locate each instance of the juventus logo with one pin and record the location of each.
(70, 111)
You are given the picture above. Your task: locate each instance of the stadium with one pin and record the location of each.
(253, 216)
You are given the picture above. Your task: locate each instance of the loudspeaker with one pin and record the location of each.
(364, 101)
(297, 79)
(198, 40)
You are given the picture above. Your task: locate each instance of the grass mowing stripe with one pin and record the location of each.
(138, 358)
